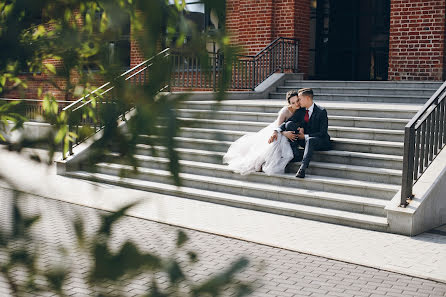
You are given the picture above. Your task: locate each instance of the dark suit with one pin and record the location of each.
(317, 130)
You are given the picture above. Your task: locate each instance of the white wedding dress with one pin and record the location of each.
(252, 153)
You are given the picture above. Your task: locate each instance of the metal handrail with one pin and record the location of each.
(281, 54)
(82, 100)
(424, 138)
(248, 71)
(138, 72)
(273, 42)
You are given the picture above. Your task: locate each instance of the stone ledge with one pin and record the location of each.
(427, 210)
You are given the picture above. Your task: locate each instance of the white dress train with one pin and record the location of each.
(252, 152)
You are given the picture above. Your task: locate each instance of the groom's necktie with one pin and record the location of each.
(307, 117)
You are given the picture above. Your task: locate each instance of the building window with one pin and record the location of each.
(117, 50)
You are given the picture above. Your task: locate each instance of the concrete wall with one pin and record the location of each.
(31, 130)
(432, 213)
(428, 208)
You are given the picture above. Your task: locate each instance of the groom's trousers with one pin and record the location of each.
(310, 144)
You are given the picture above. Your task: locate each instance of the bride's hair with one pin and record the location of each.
(291, 94)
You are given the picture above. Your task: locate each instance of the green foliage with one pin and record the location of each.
(11, 118)
(110, 267)
(62, 40)
(67, 43)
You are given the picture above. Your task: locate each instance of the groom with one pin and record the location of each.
(313, 133)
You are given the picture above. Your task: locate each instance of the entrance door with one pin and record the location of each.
(352, 39)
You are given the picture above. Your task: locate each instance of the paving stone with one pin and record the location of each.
(280, 272)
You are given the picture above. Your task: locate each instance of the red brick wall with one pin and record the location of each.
(253, 24)
(417, 40)
(232, 19)
(136, 56)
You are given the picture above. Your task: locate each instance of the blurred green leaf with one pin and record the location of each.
(215, 284)
(51, 68)
(56, 278)
(79, 229)
(192, 256)
(174, 272)
(129, 260)
(182, 238)
(109, 219)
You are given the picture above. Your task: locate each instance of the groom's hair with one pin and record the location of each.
(306, 92)
(291, 94)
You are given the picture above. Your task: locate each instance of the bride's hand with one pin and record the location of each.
(273, 137)
(290, 135)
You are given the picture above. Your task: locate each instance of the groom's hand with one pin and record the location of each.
(301, 134)
(273, 137)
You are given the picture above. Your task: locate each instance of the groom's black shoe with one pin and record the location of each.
(301, 172)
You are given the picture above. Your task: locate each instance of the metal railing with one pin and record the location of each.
(280, 55)
(247, 71)
(102, 96)
(424, 138)
(380, 63)
(32, 109)
(187, 72)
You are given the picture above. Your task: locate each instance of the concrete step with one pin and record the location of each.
(351, 172)
(364, 84)
(311, 182)
(244, 201)
(340, 144)
(270, 191)
(364, 173)
(333, 120)
(332, 156)
(361, 98)
(339, 108)
(334, 131)
(366, 133)
(371, 90)
(368, 122)
(360, 159)
(366, 146)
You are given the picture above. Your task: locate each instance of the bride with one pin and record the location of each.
(253, 152)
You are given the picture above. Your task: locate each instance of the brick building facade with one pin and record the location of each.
(349, 39)
(338, 40)
(417, 40)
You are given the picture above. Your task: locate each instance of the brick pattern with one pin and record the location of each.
(252, 24)
(417, 40)
(276, 272)
(255, 24)
(136, 55)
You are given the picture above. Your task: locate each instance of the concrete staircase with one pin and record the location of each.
(349, 185)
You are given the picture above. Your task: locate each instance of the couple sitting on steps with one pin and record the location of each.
(299, 123)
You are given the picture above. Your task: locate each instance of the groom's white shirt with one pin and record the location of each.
(310, 112)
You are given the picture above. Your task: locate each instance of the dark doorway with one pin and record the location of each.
(351, 39)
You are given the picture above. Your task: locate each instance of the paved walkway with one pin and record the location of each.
(421, 256)
(273, 271)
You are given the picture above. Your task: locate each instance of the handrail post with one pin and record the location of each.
(170, 62)
(64, 155)
(70, 143)
(408, 165)
(296, 57)
(283, 56)
(214, 68)
(253, 73)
